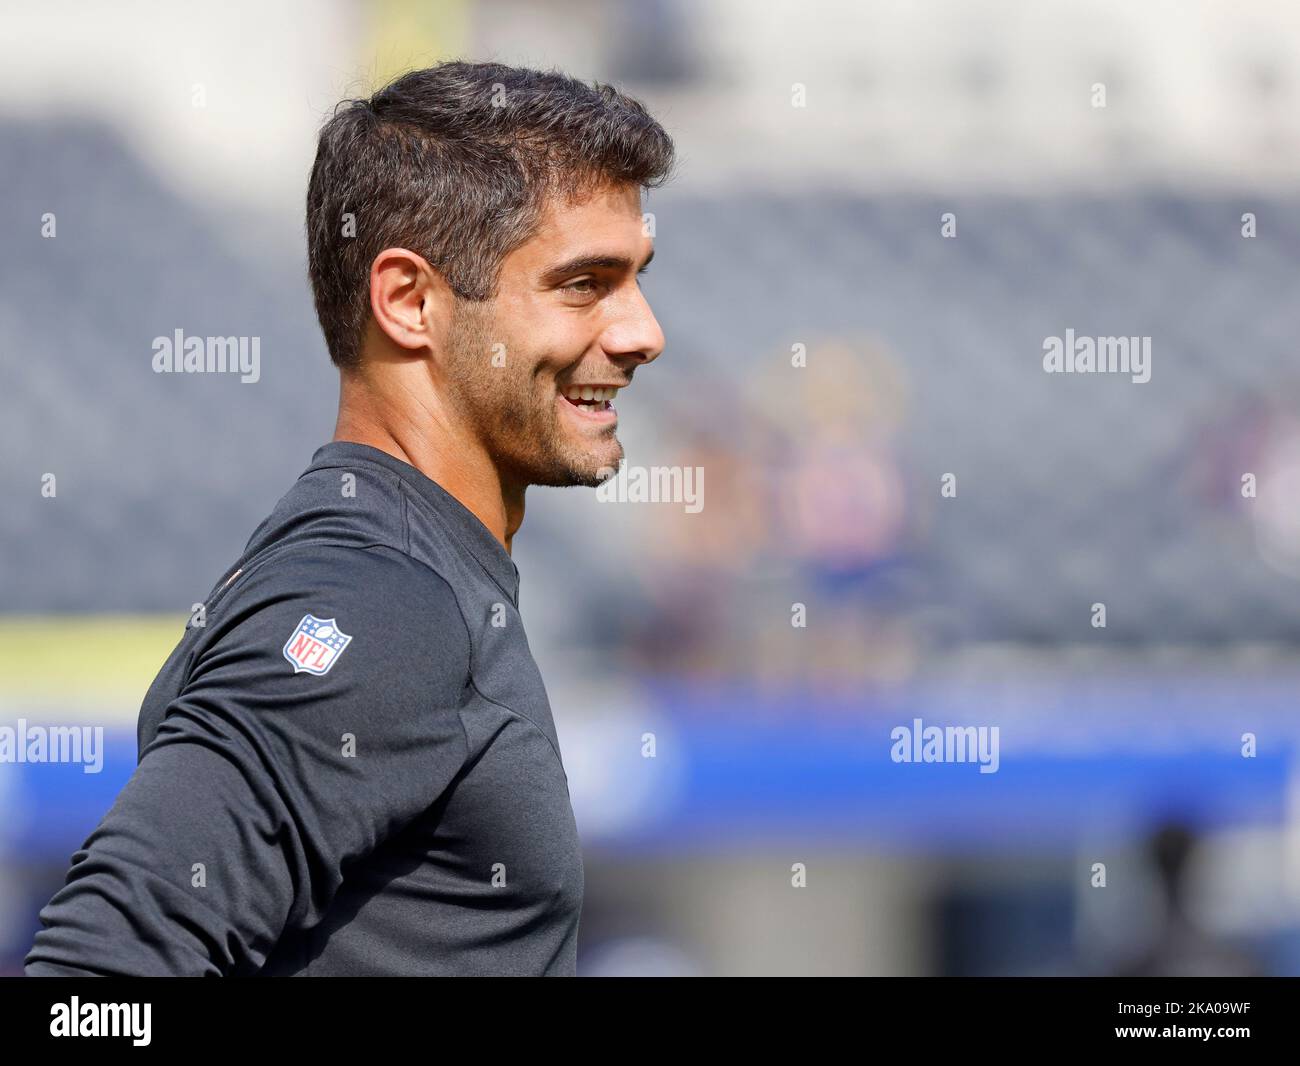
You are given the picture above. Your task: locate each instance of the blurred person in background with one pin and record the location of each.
(1180, 947)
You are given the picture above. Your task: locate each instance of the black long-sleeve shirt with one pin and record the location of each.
(348, 765)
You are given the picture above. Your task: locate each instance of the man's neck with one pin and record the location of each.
(461, 468)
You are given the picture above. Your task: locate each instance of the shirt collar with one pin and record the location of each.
(471, 532)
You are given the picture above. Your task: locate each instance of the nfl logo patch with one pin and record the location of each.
(315, 645)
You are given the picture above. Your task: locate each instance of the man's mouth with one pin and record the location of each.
(592, 401)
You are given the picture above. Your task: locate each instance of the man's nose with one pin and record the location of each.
(636, 335)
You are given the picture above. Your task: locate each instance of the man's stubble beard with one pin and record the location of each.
(518, 425)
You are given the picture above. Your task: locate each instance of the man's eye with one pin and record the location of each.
(583, 287)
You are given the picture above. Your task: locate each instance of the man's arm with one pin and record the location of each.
(263, 782)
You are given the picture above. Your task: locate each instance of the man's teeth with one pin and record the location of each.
(586, 392)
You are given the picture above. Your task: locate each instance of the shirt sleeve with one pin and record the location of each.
(276, 766)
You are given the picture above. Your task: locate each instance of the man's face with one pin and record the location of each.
(569, 315)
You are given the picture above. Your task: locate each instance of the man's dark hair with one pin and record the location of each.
(455, 163)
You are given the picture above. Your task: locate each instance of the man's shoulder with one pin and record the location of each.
(356, 503)
(316, 607)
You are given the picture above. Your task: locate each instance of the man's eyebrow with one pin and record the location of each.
(582, 263)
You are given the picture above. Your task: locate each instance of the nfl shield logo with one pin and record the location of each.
(315, 645)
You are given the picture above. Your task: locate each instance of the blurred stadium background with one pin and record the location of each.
(172, 143)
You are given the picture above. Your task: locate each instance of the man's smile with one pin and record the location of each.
(590, 403)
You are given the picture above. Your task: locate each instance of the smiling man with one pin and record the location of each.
(348, 765)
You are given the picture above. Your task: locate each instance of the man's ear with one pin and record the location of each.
(410, 301)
